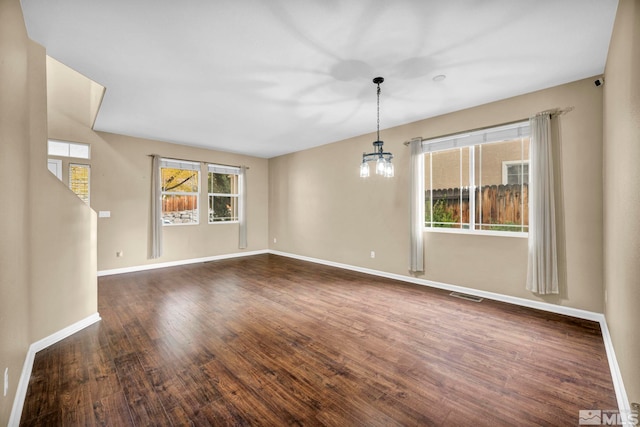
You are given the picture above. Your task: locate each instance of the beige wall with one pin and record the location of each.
(319, 207)
(48, 246)
(14, 222)
(121, 184)
(127, 194)
(621, 195)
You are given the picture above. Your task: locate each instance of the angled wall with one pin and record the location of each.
(63, 240)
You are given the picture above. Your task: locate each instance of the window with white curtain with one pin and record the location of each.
(477, 182)
(224, 193)
(180, 182)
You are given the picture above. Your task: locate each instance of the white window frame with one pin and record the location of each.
(224, 170)
(184, 165)
(88, 167)
(505, 168)
(473, 139)
(74, 150)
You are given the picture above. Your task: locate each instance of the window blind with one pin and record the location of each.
(466, 139)
(179, 164)
(227, 170)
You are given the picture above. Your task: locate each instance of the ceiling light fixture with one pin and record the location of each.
(383, 159)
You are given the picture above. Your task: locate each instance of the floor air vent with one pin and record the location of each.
(466, 296)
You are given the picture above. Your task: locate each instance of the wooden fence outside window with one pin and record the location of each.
(498, 207)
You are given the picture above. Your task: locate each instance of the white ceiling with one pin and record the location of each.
(269, 77)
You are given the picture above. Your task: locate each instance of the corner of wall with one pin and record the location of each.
(621, 202)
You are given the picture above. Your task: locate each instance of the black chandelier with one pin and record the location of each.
(383, 159)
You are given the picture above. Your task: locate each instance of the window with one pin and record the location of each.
(79, 180)
(223, 193)
(180, 186)
(68, 149)
(515, 172)
(478, 181)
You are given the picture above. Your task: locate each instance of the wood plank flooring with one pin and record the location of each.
(267, 340)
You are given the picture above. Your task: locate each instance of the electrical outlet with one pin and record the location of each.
(373, 254)
(119, 254)
(6, 380)
(275, 240)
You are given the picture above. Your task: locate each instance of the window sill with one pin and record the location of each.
(477, 232)
(224, 222)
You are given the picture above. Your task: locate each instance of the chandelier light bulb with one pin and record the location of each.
(388, 171)
(364, 170)
(381, 166)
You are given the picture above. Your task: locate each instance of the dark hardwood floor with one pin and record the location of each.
(267, 340)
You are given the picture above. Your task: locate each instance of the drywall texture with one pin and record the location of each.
(319, 207)
(621, 195)
(121, 184)
(14, 222)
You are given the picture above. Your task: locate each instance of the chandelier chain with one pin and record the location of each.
(378, 112)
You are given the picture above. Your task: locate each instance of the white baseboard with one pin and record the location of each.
(23, 383)
(558, 309)
(616, 376)
(179, 262)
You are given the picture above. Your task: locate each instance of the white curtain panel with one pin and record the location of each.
(416, 261)
(156, 208)
(542, 270)
(242, 207)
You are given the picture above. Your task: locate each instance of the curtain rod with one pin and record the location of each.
(554, 112)
(196, 161)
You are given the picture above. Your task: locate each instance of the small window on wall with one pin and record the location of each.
(68, 149)
(79, 177)
(180, 187)
(223, 193)
(515, 172)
